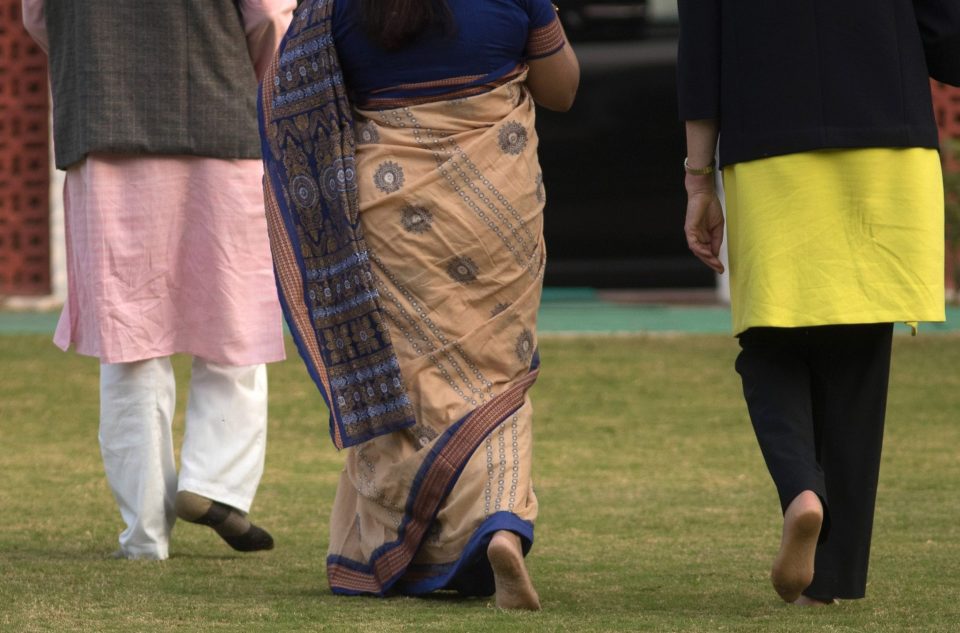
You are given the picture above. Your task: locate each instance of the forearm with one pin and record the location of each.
(702, 137)
(701, 142)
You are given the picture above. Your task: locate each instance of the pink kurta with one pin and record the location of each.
(169, 254)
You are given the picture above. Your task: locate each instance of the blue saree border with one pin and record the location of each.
(369, 569)
(388, 408)
(473, 560)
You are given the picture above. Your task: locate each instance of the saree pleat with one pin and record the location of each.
(443, 202)
(320, 256)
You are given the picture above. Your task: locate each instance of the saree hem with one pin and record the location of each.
(435, 479)
(471, 574)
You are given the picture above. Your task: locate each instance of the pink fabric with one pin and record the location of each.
(265, 22)
(168, 255)
(35, 22)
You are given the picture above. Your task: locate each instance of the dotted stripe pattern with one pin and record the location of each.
(436, 478)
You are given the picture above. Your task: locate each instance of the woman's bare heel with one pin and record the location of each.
(514, 588)
(793, 567)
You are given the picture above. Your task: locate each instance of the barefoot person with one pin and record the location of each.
(155, 124)
(835, 221)
(405, 201)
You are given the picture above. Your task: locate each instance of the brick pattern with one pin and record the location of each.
(946, 105)
(24, 160)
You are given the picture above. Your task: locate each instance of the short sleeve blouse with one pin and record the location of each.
(491, 37)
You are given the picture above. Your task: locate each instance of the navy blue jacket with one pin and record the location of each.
(786, 76)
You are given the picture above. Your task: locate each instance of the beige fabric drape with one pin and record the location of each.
(451, 201)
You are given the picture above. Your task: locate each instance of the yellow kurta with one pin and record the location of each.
(836, 237)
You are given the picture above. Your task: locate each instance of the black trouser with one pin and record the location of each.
(817, 398)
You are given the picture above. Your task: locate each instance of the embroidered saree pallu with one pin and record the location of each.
(409, 256)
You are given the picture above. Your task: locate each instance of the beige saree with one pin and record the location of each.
(409, 254)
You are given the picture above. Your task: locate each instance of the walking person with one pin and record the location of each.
(154, 117)
(405, 201)
(834, 205)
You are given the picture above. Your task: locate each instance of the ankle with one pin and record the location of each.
(192, 507)
(506, 536)
(806, 502)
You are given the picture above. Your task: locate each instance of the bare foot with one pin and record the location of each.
(793, 567)
(804, 601)
(514, 589)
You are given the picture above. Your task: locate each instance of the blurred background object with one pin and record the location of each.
(612, 165)
(24, 160)
(946, 102)
(610, 18)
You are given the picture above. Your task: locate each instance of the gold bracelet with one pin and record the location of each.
(698, 171)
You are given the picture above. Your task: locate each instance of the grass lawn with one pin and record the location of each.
(657, 513)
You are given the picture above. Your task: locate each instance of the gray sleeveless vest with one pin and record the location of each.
(151, 77)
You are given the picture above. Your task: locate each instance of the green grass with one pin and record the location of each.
(656, 511)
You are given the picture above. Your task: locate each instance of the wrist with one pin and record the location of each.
(703, 168)
(700, 184)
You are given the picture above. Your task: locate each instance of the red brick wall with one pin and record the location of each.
(24, 160)
(946, 104)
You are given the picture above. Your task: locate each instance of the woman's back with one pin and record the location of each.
(410, 245)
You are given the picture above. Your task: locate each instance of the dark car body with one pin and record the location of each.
(613, 165)
(602, 19)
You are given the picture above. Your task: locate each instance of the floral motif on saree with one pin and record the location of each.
(441, 242)
(321, 257)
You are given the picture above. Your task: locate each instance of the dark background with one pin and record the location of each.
(613, 167)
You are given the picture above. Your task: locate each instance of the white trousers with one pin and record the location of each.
(223, 445)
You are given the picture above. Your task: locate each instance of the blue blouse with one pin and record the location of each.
(490, 39)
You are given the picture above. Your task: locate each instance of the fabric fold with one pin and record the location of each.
(408, 246)
(320, 255)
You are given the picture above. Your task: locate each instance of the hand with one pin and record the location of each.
(704, 224)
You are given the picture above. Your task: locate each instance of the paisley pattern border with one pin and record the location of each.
(322, 266)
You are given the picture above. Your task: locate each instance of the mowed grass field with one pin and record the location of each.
(657, 513)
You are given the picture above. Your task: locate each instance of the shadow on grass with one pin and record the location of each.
(207, 557)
